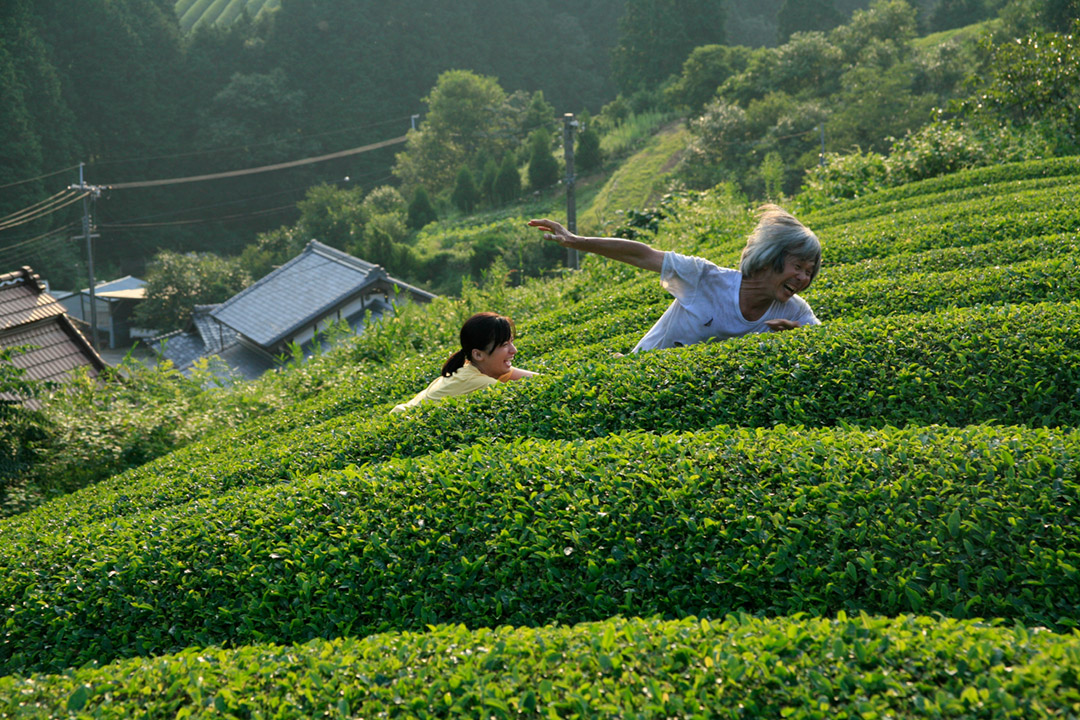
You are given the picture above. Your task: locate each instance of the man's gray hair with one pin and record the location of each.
(777, 236)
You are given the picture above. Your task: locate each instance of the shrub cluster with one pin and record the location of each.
(783, 521)
(917, 453)
(809, 669)
(1012, 364)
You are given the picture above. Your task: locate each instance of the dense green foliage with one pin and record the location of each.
(21, 426)
(847, 667)
(841, 504)
(306, 79)
(1023, 105)
(527, 533)
(904, 457)
(176, 283)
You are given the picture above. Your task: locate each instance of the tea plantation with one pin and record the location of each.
(874, 518)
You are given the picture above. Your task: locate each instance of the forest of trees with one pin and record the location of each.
(477, 86)
(118, 86)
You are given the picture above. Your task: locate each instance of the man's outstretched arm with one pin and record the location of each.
(630, 252)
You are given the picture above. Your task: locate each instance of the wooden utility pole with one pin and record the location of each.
(569, 123)
(95, 191)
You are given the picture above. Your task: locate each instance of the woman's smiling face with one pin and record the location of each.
(498, 361)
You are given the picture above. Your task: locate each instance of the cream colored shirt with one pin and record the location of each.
(465, 379)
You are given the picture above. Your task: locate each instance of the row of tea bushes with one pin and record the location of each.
(841, 214)
(809, 669)
(1007, 200)
(909, 283)
(1056, 279)
(962, 185)
(851, 244)
(975, 522)
(1001, 252)
(1012, 365)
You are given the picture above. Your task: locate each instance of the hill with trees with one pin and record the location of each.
(806, 523)
(875, 517)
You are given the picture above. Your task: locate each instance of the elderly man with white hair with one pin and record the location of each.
(781, 258)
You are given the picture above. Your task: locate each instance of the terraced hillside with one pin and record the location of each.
(878, 517)
(193, 13)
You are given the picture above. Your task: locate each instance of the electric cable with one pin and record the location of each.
(64, 228)
(44, 212)
(39, 177)
(227, 148)
(133, 224)
(299, 188)
(262, 169)
(45, 245)
(30, 208)
(197, 221)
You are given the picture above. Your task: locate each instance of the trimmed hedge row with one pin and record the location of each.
(633, 306)
(1012, 365)
(970, 522)
(1000, 252)
(841, 215)
(995, 177)
(804, 669)
(893, 237)
(888, 290)
(1034, 200)
(1033, 281)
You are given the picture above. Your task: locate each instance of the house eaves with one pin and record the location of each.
(301, 292)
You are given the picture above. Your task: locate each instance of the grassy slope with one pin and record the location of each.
(178, 553)
(637, 182)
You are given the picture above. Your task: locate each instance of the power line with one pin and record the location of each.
(30, 208)
(245, 146)
(42, 212)
(19, 257)
(297, 189)
(39, 177)
(252, 171)
(197, 221)
(45, 243)
(56, 231)
(132, 225)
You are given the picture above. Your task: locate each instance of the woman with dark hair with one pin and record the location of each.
(485, 358)
(781, 258)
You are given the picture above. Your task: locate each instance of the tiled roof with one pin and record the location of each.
(300, 292)
(58, 351)
(30, 316)
(215, 336)
(180, 347)
(204, 336)
(23, 300)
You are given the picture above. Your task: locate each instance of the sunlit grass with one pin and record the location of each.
(637, 183)
(631, 133)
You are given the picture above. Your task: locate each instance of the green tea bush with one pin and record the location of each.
(899, 235)
(1057, 279)
(854, 183)
(999, 252)
(1013, 364)
(531, 532)
(906, 456)
(811, 668)
(886, 205)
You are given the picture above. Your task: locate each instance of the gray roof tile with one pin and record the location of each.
(300, 292)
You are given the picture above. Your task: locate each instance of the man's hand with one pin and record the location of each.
(781, 324)
(554, 231)
(630, 252)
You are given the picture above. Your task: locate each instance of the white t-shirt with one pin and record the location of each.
(706, 305)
